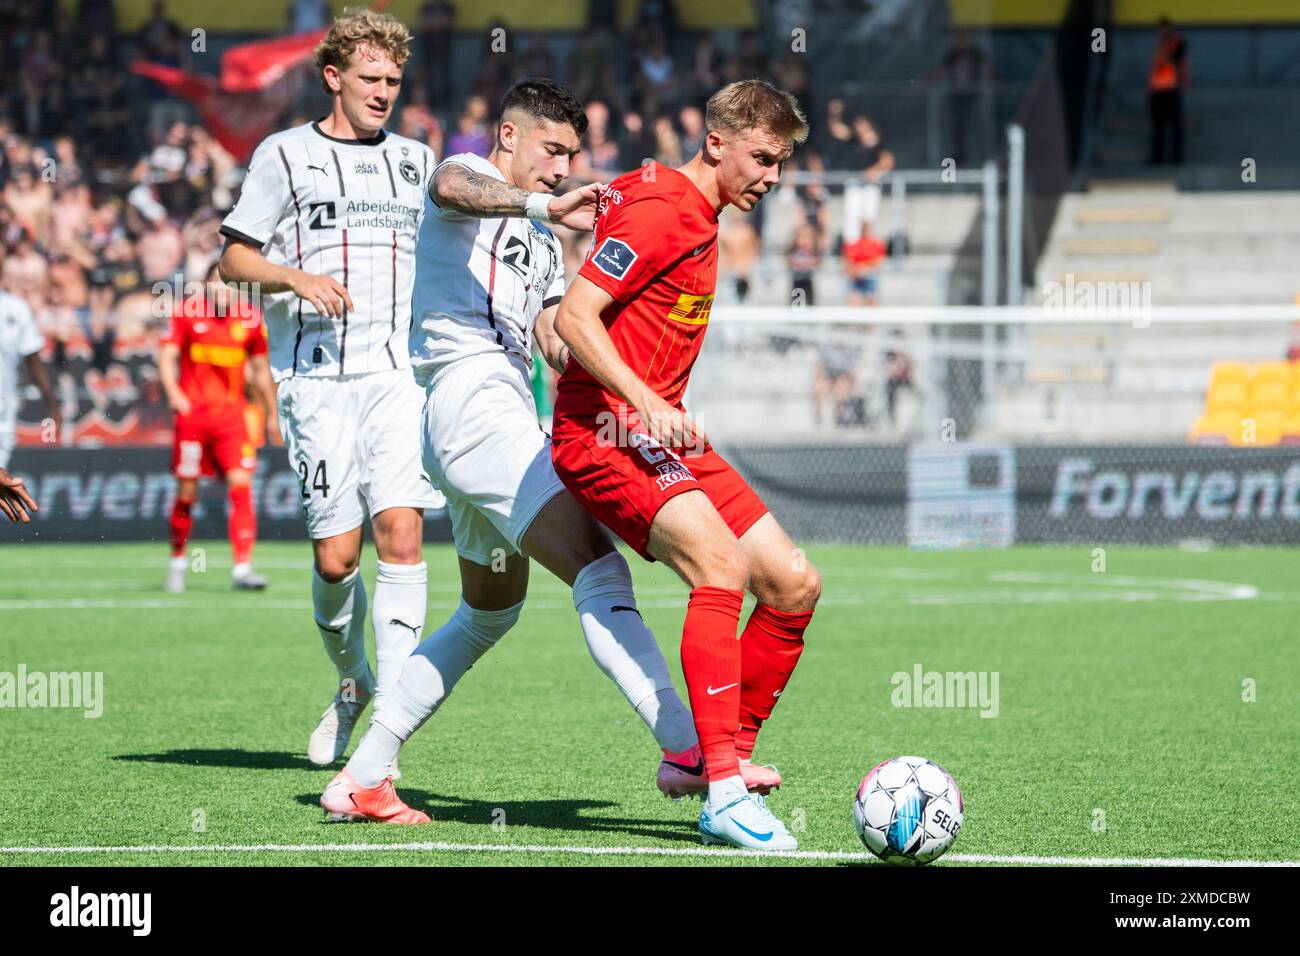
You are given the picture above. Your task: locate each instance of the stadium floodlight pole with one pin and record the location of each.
(1015, 212)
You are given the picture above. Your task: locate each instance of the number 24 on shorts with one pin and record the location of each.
(319, 480)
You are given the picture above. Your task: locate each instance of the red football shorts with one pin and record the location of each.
(210, 445)
(624, 486)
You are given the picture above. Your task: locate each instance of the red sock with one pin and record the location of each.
(711, 663)
(770, 646)
(181, 522)
(242, 524)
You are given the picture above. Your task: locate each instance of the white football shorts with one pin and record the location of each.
(354, 441)
(485, 450)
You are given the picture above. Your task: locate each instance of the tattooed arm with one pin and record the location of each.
(470, 193)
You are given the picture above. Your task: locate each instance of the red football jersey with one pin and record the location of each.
(655, 250)
(214, 349)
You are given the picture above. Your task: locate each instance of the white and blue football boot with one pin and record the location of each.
(745, 822)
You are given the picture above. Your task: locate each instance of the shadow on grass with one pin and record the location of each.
(238, 759)
(543, 814)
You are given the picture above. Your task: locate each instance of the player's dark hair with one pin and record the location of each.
(545, 99)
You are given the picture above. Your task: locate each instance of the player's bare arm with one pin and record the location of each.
(259, 367)
(579, 326)
(36, 371)
(476, 194)
(549, 343)
(169, 375)
(241, 262)
(15, 501)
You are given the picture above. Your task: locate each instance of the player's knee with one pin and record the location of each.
(402, 552)
(335, 567)
(796, 591)
(808, 589)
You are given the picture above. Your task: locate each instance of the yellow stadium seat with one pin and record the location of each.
(1295, 374)
(1215, 429)
(1267, 429)
(1271, 372)
(1238, 372)
(1291, 429)
(1225, 397)
(1270, 393)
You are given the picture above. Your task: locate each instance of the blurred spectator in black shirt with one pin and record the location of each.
(436, 31)
(966, 70)
(706, 73)
(636, 143)
(96, 18)
(660, 17)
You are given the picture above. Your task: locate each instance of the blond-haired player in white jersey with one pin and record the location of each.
(326, 225)
(489, 277)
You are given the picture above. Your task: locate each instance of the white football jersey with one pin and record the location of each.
(479, 283)
(19, 338)
(346, 209)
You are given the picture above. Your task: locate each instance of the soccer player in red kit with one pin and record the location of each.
(201, 364)
(634, 320)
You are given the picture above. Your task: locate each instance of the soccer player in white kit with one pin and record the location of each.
(20, 344)
(326, 225)
(489, 277)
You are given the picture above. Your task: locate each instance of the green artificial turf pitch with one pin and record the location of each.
(1121, 729)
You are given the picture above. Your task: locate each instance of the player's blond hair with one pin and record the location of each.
(358, 27)
(746, 105)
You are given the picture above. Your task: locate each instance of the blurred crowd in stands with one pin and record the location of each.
(108, 185)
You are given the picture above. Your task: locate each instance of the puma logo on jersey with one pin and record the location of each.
(319, 169)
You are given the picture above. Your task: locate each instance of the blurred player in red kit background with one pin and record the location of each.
(201, 362)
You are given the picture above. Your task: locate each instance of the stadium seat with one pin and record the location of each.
(1217, 429)
(1269, 426)
(1270, 393)
(1271, 372)
(1228, 396)
(1224, 372)
(1291, 429)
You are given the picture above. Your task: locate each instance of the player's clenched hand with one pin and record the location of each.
(15, 502)
(180, 404)
(326, 294)
(670, 426)
(576, 208)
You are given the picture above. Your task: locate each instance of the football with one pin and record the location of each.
(908, 811)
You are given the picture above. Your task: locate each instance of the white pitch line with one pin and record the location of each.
(441, 847)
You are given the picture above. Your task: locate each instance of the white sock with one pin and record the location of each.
(340, 610)
(401, 594)
(625, 649)
(722, 792)
(180, 563)
(242, 569)
(427, 678)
